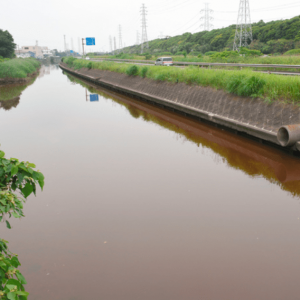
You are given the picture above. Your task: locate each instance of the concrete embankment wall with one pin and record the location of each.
(252, 116)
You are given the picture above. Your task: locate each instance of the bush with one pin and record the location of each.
(144, 71)
(132, 70)
(292, 52)
(148, 56)
(89, 65)
(210, 53)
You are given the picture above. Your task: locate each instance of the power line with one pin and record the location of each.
(277, 7)
(174, 8)
(243, 33)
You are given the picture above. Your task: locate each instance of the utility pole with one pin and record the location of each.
(206, 18)
(144, 28)
(110, 44)
(120, 38)
(72, 46)
(82, 47)
(115, 44)
(65, 44)
(137, 38)
(243, 33)
(78, 45)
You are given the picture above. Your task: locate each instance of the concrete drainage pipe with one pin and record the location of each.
(288, 135)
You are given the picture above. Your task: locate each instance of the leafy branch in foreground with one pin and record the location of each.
(20, 176)
(15, 175)
(12, 280)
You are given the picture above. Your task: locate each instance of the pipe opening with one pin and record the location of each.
(283, 136)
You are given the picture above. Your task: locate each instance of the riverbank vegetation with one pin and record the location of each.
(18, 67)
(243, 83)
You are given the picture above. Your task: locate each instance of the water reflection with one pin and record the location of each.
(46, 69)
(10, 94)
(251, 157)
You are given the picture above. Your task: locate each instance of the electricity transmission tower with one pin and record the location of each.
(115, 44)
(110, 44)
(72, 44)
(206, 18)
(120, 38)
(78, 45)
(144, 28)
(65, 44)
(137, 38)
(243, 33)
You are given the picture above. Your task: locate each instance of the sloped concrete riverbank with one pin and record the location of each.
(273, 122)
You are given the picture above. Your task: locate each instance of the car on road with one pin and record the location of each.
(87, 58)
(164, 61)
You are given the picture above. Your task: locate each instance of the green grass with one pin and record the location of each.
(244, 82)
(291, 57)
(18, 68)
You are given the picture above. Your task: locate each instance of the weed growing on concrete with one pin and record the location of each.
(132, 71)
(144, 71)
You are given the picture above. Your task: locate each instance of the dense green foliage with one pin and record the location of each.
(21, 177)
(272, 37)
(243, 82)
(132, 70)
(2, 59)
(7, 45)
(18, 68)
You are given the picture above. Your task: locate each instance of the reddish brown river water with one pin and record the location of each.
(143, 204)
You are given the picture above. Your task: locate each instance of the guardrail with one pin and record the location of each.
(206, 64)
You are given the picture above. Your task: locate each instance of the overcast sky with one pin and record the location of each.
(48, 21)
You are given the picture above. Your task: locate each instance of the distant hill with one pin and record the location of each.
(272, 37)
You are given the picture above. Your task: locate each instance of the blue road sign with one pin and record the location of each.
(71, 51)
(94, 97)
(90, 41)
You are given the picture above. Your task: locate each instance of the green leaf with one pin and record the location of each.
(21, 293)
(27, 189)
(8, 225)
(21, 278)
(41, 180)
(23, 298)
(31, 165)
(15, 215)
(14, 170)
(15, 262)
(11, 296)
(1, 154)
(11, 283)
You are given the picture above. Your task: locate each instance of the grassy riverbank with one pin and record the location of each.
(270, 60)
(242, 83)
(18, 68)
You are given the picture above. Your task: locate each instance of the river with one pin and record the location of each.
(144, 204)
